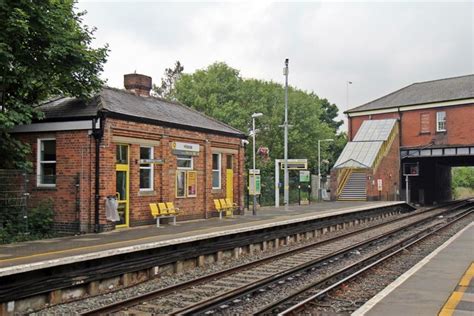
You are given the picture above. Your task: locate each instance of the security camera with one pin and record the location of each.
(245, 142)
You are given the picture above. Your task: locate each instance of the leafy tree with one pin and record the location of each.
(168, 82)
(329, 114)
(44, 51)
(221, 92)
(463, 177)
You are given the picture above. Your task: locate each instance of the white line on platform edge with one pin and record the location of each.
(401, 279)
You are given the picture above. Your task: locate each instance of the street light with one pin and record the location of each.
(254, 116)
(319, 164)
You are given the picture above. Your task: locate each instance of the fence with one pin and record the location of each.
(27, 209)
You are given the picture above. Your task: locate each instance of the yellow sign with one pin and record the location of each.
(191, 183)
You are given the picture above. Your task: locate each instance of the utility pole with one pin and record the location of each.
(286, 178)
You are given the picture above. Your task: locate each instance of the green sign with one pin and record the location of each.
(305, 176)
(257, 183)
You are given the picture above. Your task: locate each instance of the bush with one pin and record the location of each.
(14, 227)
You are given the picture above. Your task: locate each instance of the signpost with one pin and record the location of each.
(410, 169)
(293, 164)
(257, 182)
(304, 176)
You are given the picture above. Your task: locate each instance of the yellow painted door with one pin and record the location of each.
(229, 184)
(229, 187)
(122, 185)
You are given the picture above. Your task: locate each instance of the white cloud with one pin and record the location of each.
(381, 47)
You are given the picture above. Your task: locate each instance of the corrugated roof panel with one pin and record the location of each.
(375, 130)
(360, 153)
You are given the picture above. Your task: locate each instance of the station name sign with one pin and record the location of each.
(154, 161)
(295, 164)
(185, 149)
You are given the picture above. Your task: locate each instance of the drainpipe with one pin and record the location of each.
(97, 134)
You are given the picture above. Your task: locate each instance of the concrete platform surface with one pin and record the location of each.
(26, 256)
(428, 286)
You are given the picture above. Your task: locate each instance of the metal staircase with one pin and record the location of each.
(354, 188)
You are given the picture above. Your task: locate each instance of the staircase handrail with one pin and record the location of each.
(385, 148)
(342, 178)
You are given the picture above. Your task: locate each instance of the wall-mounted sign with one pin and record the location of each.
(304, 176)
(379, 184)
(295, 164)
(155, 161)
(192, 183)
(185, 149)
(254, 185)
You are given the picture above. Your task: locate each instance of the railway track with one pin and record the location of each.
(295, 303)
(216, 292)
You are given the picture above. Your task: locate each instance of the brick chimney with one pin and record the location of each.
(138, 84)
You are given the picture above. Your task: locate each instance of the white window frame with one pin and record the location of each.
(39, 163)
(148, 167)
(438, 122)
(184, 157)
(219, 167)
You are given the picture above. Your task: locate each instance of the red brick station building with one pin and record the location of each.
(137, 148)
(417, 133)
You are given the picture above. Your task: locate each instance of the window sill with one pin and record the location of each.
(146, 193)
(216, 191)
(442, 132)
(46, 188)
(425, 133)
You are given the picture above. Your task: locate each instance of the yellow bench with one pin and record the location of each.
(224, 205)
(163, 210)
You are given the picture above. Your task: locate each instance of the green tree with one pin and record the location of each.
(463, 177)
(45, 51)
(221, 92)
(168, 82)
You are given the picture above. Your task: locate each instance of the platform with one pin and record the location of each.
(441, 284)
(27, 256)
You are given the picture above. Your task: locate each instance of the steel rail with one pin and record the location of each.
(359, 267)
(120, 305)
(226, 297)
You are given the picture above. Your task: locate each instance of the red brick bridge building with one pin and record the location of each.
(425, 128)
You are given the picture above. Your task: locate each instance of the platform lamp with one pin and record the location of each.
(254, 116)
(319, 164)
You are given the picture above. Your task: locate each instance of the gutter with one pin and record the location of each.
(98, 135)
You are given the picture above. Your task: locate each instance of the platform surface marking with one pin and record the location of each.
(462, 297)
(424, 288)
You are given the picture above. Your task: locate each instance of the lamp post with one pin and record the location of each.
(254, 211)
(319, 164)
(347, 94)
(286, 195)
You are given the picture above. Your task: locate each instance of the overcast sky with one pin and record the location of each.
(379, 46)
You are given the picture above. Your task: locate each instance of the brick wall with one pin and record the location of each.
(459, 127)
(202, 205)
(389, 172)
(73, 194)
(75, 156)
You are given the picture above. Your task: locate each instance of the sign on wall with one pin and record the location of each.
(185, 149)
(379, 184)
(192, 183)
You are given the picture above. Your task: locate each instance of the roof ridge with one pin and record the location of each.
(381, 97)
(449, 78)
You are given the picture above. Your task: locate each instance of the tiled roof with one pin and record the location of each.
(448, 89)
(122, 102)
